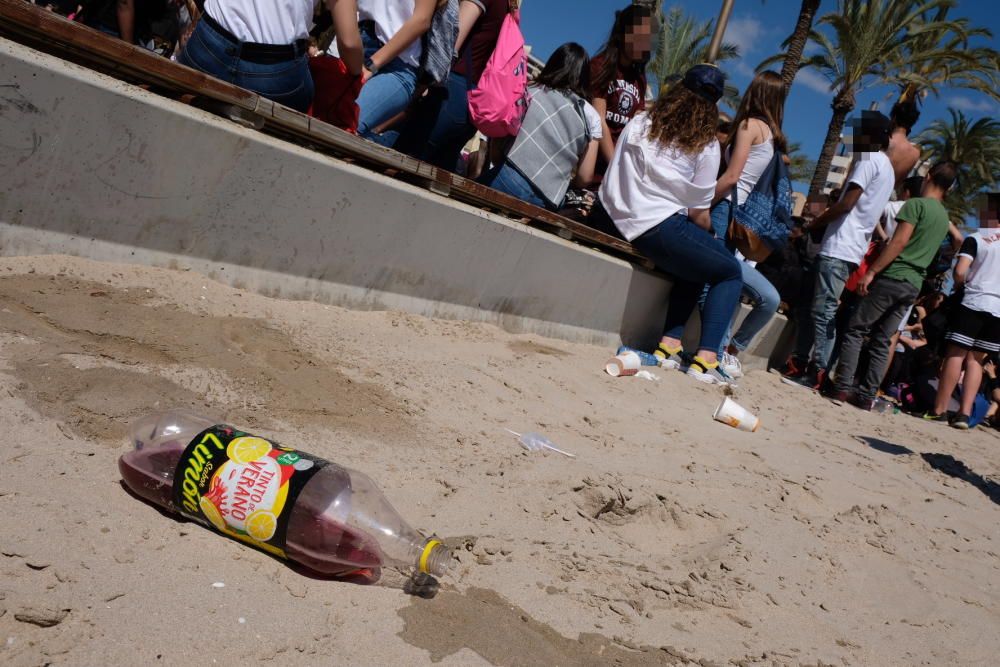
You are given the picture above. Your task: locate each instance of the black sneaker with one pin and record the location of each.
(961, 422)
(934, 417)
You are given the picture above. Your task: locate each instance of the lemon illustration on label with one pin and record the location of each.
(260, 525)
(244, 450)
(212, 513)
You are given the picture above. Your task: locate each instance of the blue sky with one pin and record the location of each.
(758, 27)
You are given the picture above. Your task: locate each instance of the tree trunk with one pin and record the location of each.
(842, 105)
(797, 42)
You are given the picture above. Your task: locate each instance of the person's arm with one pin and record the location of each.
(469, 13)
(705, 174)
(843, 207)
(966, 255)
(126, 20)
(745, 135)
(412, 30)
(902, 236)
(701, 217)
(345, 26)
(955, 234)
(607, 143)
(585, 167)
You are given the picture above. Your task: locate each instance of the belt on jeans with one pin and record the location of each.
(259, 53)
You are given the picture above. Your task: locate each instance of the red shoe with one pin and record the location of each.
(821, 380)
(794, 369)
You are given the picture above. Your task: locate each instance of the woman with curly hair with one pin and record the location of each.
(658, 191)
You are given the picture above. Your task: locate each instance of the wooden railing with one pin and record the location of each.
(46, 31)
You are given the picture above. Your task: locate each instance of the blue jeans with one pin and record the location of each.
(386, 94)
(693, 257)
(508, 180)
(439, 125)
(721, 214)
(831, 276)
(765, 300)
(288, 82)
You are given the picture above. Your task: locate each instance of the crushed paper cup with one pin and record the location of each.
(732, 413)
(623, 365)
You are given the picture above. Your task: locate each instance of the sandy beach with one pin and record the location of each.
(829, 537)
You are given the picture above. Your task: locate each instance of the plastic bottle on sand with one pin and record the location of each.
(330, 519)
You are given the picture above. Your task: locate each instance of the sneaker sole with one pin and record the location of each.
(670, 364)
(960, 427)
(794, 383)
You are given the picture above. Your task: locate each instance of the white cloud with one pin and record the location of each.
(967, 104)
(744, 32)
(814, 80)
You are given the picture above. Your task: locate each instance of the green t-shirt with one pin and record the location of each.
(930, 225)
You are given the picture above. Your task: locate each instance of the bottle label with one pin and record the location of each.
(242, 485)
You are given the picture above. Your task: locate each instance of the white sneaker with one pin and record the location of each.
(714, 375)
(731, 365)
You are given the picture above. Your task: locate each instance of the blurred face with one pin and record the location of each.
(989, 211)
(639, 39)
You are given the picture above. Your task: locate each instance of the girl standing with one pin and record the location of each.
(749, 150)
(618, 76)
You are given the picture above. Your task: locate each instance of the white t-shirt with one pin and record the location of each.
(594, 126)
(847, 238)
(647, 182)
(264, 21)
(982, 284)
(389, 16)
(891, 211)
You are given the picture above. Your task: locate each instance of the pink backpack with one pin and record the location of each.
(498, 104)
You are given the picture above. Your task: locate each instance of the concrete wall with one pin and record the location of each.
(97, 168)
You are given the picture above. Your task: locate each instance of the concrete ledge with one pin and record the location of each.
(101, 169)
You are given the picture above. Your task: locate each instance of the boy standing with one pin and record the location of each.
(849, 225)
(974, 326)
(891, 285)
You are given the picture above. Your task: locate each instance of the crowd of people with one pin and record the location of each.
(862, 272)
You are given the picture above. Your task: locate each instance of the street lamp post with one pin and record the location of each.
(720, 30)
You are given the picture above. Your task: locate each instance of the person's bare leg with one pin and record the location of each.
(973, 378)
(893, 342)
(708, 356)
(951, 370)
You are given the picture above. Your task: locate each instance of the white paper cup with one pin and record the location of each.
(625, 364)
(732, 413)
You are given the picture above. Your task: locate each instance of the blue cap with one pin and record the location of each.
(706, 81)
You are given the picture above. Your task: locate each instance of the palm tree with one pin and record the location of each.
(944, 56)
(866, 33)
(682, 43)
(800, 167)
(796, 43)
(975, 146)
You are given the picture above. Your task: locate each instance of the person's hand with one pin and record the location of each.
(365, 75)
(865, 281)
(990, 369)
